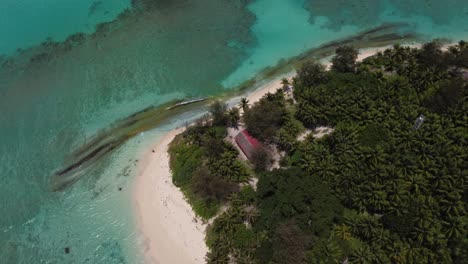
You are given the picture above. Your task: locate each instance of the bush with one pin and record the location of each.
(201, 207)
(233, 117)
(345, 59)
(296, 157)
(213, 147)
(445, 96)
(211, 188)
(247, 194)
(244, 238)
(290, 244)
(260, 159)
(288, 133)
(205, 167)
(291, 193)
(218, 112)
(228, 166)
(184, 160)
(309, 75)
(373, 135)
(431, 55)
(265, 118)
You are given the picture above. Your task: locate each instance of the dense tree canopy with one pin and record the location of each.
(309, 75)
(286, 194)
(218, 113)
(410, 183)
(266, 117)
(377, 190)
(206, 167)
(345, 59)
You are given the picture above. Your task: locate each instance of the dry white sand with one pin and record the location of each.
(270, 86)
(170, 233)
(367, 52)
(363, 53)
(165, 220)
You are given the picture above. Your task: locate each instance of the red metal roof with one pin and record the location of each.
(251, 139)
(247, 143)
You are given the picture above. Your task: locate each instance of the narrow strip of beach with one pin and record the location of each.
(166, 221)
(169, 228)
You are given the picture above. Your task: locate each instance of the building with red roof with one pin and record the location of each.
(247, 143)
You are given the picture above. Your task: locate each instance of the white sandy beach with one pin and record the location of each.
(165, 220)
(367, 52)
(364, 53)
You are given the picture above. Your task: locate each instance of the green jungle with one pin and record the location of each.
(387, 184)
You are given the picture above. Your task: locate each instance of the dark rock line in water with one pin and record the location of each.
(106, 140)
(85, 157)
(50, 50)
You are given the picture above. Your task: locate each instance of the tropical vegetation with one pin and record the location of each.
(388, 185)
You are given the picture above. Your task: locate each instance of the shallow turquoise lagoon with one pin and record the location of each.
(167, 50)
(24, 23)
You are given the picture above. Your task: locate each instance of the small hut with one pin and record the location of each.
(247, 143)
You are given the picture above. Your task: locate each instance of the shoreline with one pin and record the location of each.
(172, 234)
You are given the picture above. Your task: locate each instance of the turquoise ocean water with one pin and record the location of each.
(152, 54)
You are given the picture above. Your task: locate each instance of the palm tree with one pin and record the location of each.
(443, 182)
(451, 203)
(343, 232)
(412, 253)
(228, 221)
(417, 183)
(325, 169)
(242, 256)
(279, 94)
(285, 83)
(457, 49)
(233, 117)
(455, 228)
(423, 231)
(251, 214)
(362, 255)
(397, 252)
(269, 96)
(244, 104)
(235, 200)
(397, 196)
(376, 197)
(333, 252)
(218, 254)
(462, 45)
(367, 225)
